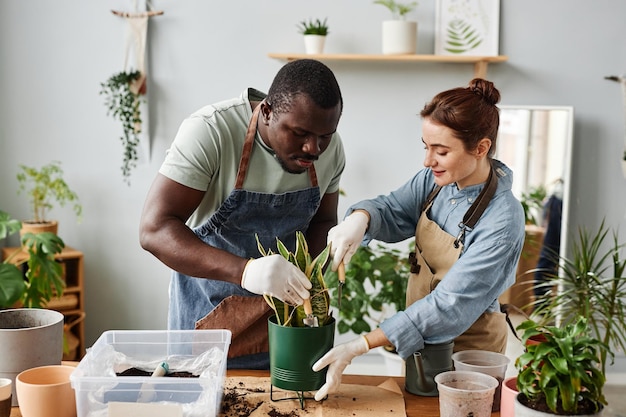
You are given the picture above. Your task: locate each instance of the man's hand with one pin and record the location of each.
(275, 276)
(337, 359)
(346, 237)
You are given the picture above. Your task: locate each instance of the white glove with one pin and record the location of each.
(337, 359)
(346, 237)
(275, 276)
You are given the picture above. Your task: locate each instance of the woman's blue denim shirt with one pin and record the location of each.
(485, 269)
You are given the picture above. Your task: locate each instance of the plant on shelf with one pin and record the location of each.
(43, 278)
(45, 186)
(398, 10)
(313, 27)
(561, 375)
(376, 280)
(287, 315)
(122, 98)
(591, 283)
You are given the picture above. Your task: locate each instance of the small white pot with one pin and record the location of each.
(314, 44)
(399, 37)
(624, 167)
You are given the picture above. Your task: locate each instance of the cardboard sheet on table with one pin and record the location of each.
(350, 400)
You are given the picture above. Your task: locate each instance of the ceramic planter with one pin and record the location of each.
(314, 44)
(31, 337)
(399, 37)
(294, 350)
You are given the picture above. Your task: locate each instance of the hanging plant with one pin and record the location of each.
(122, 91)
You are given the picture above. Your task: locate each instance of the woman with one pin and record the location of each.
(468, 228)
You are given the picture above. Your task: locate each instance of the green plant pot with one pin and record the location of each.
(294, 350)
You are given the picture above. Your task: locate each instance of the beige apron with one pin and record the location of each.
(435, 253)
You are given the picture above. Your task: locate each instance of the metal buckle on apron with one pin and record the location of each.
(460, 239)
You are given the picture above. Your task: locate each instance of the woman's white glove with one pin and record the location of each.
(337, 359)
(346, 237)
(274, 275)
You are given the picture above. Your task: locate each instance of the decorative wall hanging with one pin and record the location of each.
(124, 91)
(467, 27)
(622, 81)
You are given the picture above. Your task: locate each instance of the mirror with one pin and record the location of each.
(536, 143)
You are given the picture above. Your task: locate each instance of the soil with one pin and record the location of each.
(585, 407)
(141, 372)
(236, 404)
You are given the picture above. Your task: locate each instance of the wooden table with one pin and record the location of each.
(415, 405)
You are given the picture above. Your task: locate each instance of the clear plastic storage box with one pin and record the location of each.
(198, 355)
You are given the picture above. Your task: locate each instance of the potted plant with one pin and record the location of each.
(43, 279)
(561, 375)
(314, 32)
(294, 346)
(122, 98)
(399, 35)
(44, 186)
(590, 283)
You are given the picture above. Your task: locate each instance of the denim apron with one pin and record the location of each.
(198, 303)
(435, 253)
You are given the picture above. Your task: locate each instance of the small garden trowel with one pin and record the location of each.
(310, 320)
(341, 273)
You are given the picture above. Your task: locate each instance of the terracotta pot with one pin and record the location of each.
(32, 227)
(507, 398)
(46, 388)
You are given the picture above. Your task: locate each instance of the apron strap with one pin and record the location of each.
(477, 209)
(247, 148)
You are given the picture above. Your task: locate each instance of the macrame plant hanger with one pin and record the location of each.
(135, 53)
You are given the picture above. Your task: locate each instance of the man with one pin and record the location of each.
(251, 167)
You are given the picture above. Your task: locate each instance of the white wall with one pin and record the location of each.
(53, 56)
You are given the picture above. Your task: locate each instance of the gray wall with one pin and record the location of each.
(53, 56)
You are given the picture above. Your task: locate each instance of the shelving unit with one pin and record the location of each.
(72, 303)
(480, 62)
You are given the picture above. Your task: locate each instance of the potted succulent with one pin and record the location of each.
(45, 186)
(294, 345)
(314, 32)
(399, 35)
(43, 278)
(122, 93)
(561, 375)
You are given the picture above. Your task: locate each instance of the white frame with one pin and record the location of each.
(481, 17)
(567, 165)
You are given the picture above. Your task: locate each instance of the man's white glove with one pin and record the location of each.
(337, 359)
(346, 237)
(276, 276)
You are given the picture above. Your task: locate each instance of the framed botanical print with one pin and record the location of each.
(467, 27)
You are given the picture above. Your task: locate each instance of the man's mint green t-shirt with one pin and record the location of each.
(206, 151)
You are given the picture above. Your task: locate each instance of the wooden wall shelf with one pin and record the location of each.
(480, 62)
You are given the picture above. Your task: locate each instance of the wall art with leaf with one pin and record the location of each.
(467, 27)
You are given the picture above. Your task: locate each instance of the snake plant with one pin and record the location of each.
(288, 315)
